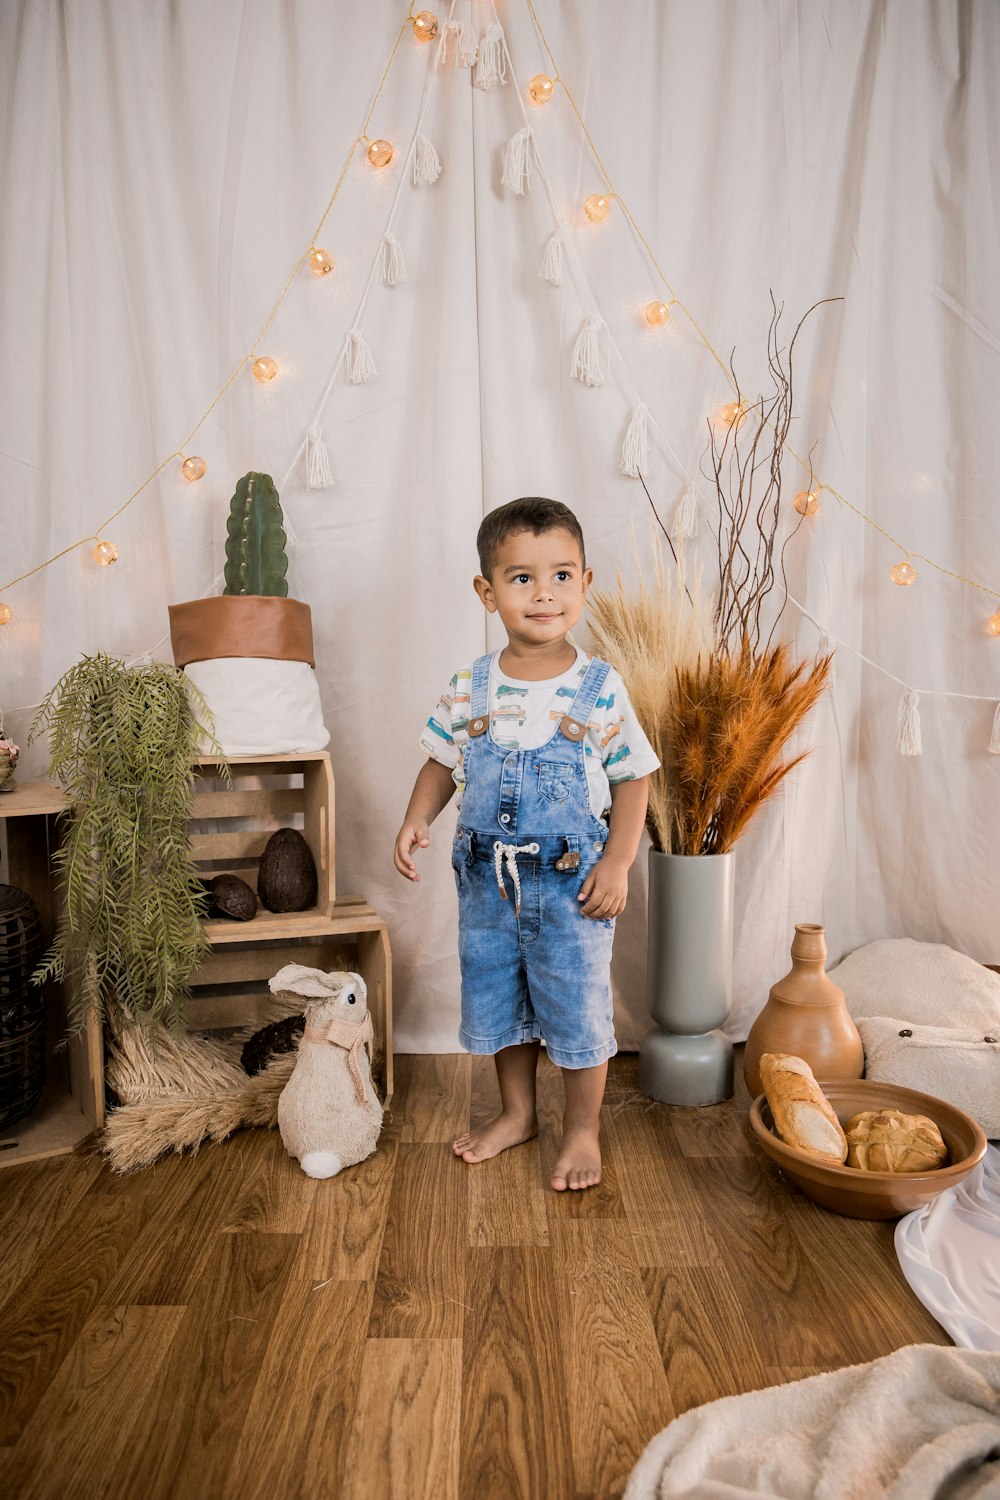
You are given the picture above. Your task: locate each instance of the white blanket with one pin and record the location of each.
(949, 1252)
(920, 1424)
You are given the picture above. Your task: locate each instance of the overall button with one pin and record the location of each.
(598, 845)
(505, 817)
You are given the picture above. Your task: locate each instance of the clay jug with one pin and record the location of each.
(806, 1015)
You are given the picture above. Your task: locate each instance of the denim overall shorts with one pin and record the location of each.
(532, 964)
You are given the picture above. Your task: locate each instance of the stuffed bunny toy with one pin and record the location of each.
(329, 1114)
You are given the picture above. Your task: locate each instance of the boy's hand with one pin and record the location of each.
(411, 833)
(605, 890)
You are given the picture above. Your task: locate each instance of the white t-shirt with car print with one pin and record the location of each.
(525, 715)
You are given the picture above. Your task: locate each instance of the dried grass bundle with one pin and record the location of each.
(649, 636)
(733, 716)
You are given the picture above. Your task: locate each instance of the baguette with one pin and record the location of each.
(802, 1114)
(886, 1140)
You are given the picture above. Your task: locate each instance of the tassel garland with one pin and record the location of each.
(586, 365)
(517, 161)
(319, 475)
(466, 46)
(995, 736)
(635, 449)
(491, 65)
(552, 261)
(360, 363)
(426, 162)
(393, 264)
(685, 526)
(908, 725)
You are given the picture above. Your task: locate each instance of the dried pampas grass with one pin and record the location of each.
(650, 635)
(733, 716)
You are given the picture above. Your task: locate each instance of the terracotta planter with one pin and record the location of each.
(259, 625)
(807, 1016)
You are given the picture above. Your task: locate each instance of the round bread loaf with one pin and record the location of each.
(886, 1140)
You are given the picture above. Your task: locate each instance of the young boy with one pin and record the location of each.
(552, 765)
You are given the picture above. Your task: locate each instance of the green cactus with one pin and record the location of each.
(256, 562)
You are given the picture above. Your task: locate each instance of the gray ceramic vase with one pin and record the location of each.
(685, 1059)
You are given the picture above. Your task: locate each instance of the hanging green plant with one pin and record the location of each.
(122, 743)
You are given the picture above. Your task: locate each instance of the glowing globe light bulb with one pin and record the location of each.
(105, 553)
(992, 624)
(596, 207)
(731, 414)
(264, 369)
(806, 502)
(380, 153)
(321, 262)
(541, 88)
(425, 25)
(656, 314)
(904, 574)
(6, 614)
(194, 468)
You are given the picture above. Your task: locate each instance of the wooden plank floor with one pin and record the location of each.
(220, 1325)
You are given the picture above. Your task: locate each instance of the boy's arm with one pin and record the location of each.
(432, 790)
(605, 890)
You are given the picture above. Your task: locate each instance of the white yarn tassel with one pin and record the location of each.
(827, 648)
(491, 65)
(552, 261)
(994, 746)
(426, 162)
(635, 449)
(466, 45)
(319, 475)
(360, 363)
(685, 524)
(586, 365)
(393, 264)
(908, 724)
(517, 161)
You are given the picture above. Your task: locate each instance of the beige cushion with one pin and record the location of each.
(949, 1005)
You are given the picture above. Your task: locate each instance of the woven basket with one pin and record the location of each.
(22, 1007)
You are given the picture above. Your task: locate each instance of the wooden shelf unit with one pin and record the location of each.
(230, 989)
(72, 1105)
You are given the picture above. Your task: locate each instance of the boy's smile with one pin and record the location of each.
(537, 586)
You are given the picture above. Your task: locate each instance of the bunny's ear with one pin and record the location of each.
(359, 982)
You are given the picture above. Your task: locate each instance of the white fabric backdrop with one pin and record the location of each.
(163, 166)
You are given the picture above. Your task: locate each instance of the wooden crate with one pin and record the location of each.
(72, 1104)
(230, 826)
(230, 988)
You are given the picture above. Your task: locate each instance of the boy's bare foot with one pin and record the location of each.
(497, 1135)
(579, 1163)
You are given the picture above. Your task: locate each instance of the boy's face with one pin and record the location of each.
(537, 586)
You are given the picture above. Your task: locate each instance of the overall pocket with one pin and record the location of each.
(556, 780)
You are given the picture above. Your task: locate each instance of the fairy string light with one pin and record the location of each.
(251, 355)
(612, 194)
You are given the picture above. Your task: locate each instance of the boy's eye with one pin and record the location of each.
(563, 576)
(521, 578)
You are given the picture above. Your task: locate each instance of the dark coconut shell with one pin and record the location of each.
(234, 898)
(271, 1042)
(286, 880)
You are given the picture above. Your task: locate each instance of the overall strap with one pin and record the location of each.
(479, 697)
(574, 722)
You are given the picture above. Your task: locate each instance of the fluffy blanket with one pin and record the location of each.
(920, 1424)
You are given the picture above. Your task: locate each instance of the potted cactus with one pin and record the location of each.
(250, 651)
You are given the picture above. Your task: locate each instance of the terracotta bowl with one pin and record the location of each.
(875, 1195)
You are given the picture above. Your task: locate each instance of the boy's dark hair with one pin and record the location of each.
(532, 513)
